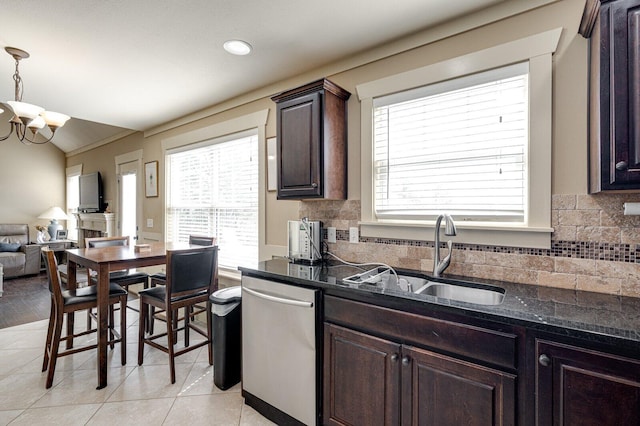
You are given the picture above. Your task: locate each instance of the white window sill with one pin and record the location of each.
(468, 233)
(228, 274)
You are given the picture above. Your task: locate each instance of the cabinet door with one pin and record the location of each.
(619, 68)
(440, 391)
(298, 146)
(577, 386)
(361, 378)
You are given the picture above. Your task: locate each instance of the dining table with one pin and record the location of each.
(103, 260)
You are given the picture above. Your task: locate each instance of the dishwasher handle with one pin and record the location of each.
(293, 302)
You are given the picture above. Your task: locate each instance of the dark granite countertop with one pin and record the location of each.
(594, 316)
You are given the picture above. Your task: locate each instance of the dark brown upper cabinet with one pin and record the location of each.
(613, 29)
(312, 142)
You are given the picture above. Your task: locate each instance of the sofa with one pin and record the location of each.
(17, 256)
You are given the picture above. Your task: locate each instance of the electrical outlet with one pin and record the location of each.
(149, 223)
(331, 234)
(353, 234)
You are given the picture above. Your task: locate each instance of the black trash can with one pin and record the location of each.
(226, 315)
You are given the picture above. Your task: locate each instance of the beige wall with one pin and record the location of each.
(592, 238)
(594, 246)
(32, 179)
(102, 159)
(570, 92)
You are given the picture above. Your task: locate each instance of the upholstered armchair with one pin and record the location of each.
(17, 256)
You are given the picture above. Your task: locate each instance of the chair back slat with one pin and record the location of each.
(200, 240)
(53, 275)
(100, 242)
(191, 271)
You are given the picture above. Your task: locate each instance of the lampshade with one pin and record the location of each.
(25, 110)
(37, 123)
(54, 213)
(54, 119)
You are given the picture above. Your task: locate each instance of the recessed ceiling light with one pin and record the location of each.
(237, 47)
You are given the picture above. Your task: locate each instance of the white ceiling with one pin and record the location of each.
(135, 64)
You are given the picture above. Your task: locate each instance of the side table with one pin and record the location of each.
(58, 247)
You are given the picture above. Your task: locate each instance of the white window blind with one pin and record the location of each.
(213, 190)
(459, 146)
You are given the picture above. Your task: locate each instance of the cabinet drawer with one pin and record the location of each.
(489, 346)
(57, 246)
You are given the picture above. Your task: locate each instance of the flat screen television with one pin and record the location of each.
(91, 196)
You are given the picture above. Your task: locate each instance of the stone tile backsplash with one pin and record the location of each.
(594, 247)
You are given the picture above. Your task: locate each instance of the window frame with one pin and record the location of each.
(256, 120)
(71, 224)
(214, 144)
(537, 51)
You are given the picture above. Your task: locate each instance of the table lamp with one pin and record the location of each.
(54, 213)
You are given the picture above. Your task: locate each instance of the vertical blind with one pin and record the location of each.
(213, 190)
(459, 147)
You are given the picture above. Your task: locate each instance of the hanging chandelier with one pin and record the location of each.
(28, 119)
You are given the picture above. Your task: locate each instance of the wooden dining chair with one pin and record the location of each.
(191, 276)
(68, 301)
(160, 279)
(125, 277)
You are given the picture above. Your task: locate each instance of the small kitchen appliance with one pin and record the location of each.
(305, 244)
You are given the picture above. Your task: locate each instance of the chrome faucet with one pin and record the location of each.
(449, 230)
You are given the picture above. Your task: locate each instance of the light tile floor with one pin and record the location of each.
(140, 395)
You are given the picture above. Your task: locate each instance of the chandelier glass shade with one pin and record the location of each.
(27, 118)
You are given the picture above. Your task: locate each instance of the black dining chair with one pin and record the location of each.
(160, 279)
(69, 301)
(191, 277)
(195, 240)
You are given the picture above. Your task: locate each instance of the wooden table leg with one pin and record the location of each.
(103, 320)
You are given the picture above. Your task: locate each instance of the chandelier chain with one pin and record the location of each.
(18, 82)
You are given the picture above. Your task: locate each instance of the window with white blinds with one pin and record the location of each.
(459, 146)
(212, 189)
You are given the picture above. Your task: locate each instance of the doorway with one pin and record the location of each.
(129, 211)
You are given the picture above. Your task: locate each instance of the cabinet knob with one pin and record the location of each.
(394, 357)
(622, 165)
(405, 360)
(544, 360)
(314, 185)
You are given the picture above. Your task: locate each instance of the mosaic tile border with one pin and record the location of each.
(627, 253)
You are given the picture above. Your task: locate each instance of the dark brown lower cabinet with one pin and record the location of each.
(370, 381)
(440, 390)
(577, 386)
(361, 378)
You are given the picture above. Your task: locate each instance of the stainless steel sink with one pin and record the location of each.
(480, 294)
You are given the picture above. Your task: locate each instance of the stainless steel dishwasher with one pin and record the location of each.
(280, 364)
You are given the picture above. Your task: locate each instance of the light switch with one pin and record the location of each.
(353, 234)
(331, 234)
(149, 223)
(631, 209)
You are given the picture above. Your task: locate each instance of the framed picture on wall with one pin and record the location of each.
(151, 179)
